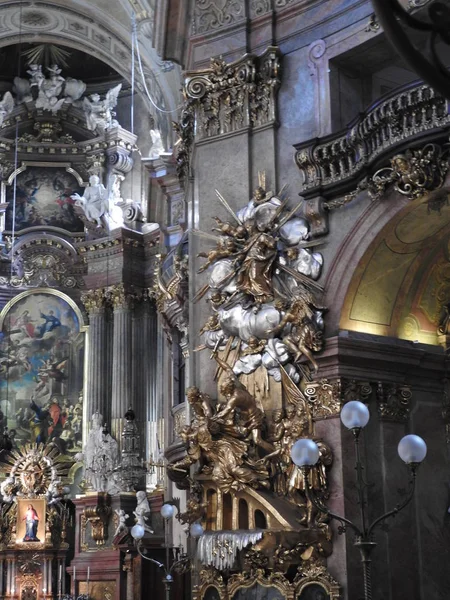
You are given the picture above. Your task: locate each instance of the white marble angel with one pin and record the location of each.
(6, 106)
(94, 201)
(99, 113)
(142, 512)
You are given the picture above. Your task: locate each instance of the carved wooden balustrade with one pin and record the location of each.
(334, 163)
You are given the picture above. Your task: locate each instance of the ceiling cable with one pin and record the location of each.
(135, 43)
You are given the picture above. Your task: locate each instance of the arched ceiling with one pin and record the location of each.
(101, 29)
(403, 281)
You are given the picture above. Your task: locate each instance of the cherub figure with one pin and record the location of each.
(226, 228)
(99, 113)
(225, 247)
(121, 527)
(304, 335)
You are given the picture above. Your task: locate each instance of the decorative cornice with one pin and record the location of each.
(227, 98)
(336, 163)
(394, 402)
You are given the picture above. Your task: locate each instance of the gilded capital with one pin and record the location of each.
(94, 300)
(119, 298)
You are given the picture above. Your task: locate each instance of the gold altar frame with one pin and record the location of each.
(330, 586)
(40, 506)
(247, 580)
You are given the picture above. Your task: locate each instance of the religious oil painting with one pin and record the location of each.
(41, 370)
(43, 198)
(30, 521)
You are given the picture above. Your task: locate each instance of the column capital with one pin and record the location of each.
(119, 298)
(94, 300)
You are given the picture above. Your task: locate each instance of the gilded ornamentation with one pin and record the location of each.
(98, 517)
(94, 300)
(413, 173)
(316, 572)
(245, 580)
(324, 397)
(171, 291)
(394, 402)
(225, 98)
(351, 389)
(33, 470)
(44, 269)
(344, 158)
(231, 96)
(179, 421)
(119, 297)
(195, 508)
(209, 576)
(266, 323)
(373, 25)
(183, 146)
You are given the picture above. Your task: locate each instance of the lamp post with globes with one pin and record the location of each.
(411, 449)
(180, 563)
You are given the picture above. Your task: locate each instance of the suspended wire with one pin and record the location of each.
(13, 217)
(135, 44)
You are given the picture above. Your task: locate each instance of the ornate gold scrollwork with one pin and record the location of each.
(98, 516)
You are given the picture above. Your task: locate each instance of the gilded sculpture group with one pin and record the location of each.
(266, 325)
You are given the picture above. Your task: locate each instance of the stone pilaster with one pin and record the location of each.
(95, 387)
(122, 368)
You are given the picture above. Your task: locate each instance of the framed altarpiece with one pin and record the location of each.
(38, 195)
(42, 348)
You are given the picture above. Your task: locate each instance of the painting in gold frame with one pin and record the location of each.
(31, 514)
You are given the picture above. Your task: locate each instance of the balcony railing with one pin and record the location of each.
(334, 163)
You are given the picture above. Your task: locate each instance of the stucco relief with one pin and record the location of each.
(215, 14)
(260, 7)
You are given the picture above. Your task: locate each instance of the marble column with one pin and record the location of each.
(122, 374)
(95, 385)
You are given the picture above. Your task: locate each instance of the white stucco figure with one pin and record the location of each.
(50, 90)
(73, 89)
(94, 200)
(6, 106)
(142, 512)
(121, 527)
(99, 113)
(157, 144)
(114, 217)
(101, 457)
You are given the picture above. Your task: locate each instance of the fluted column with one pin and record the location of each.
(122, 358)
(96, 386)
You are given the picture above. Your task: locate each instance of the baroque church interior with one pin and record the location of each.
(224, 299)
